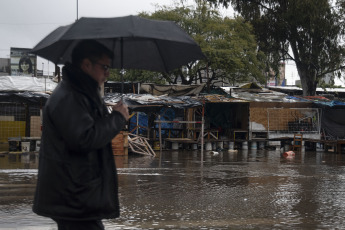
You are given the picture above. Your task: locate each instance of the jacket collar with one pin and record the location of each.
(78, 78)
(81, 81)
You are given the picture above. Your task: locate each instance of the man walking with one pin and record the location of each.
(77, 181)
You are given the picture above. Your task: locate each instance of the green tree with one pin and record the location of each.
(229, 45)
(308, 32)
(136, 76)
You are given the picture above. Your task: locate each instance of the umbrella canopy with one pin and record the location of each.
(137, 43)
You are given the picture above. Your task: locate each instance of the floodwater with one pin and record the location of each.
(252, 189)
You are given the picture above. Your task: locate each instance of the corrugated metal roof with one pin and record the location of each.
(258, 95)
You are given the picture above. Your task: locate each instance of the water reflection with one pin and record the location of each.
(18, 160)
(237, 190)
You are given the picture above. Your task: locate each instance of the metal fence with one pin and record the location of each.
(19, 120)
(294, 120)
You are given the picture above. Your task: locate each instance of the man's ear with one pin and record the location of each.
(86, 65)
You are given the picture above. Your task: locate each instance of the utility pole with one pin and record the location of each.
(77, 10)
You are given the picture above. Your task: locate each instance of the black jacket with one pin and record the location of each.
(77, 175)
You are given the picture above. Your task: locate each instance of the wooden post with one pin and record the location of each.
(57, 72)
(160, 134)
(149, 125)
(202, 132)
(137, 123)
(27, 120)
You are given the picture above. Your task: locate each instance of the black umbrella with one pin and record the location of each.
(137, 43)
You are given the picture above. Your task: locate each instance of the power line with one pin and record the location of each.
(31, 23)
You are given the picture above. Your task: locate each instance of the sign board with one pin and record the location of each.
(23, 63)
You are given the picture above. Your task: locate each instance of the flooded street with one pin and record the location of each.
(253, 189)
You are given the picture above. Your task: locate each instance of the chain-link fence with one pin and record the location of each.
(19, 120)
(294, 120)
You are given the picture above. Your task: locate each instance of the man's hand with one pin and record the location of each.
(121, 108)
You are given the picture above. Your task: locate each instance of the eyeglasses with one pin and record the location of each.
(105, 67)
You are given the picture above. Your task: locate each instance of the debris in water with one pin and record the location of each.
(289, 154)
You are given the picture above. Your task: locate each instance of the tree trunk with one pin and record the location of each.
(305, 72)
(308, 81)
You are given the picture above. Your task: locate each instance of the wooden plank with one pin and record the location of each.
(140, 145)
(181, 140)
(149, 147)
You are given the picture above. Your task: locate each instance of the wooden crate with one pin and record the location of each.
(119, 144)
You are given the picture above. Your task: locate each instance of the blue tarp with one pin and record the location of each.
(166, 115)
(318, 101)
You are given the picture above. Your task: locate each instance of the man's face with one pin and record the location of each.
(99, 70)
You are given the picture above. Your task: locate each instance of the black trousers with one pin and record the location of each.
(79, 225)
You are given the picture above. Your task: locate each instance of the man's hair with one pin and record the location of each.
(90, 49)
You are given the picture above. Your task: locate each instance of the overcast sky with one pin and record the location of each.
(23, 23)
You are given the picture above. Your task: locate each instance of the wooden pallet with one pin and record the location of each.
(140, 145)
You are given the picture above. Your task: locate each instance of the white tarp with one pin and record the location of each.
(171, 90)
(263, 95)
(23, 83)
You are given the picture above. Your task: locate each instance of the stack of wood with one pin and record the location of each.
(119, 144)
